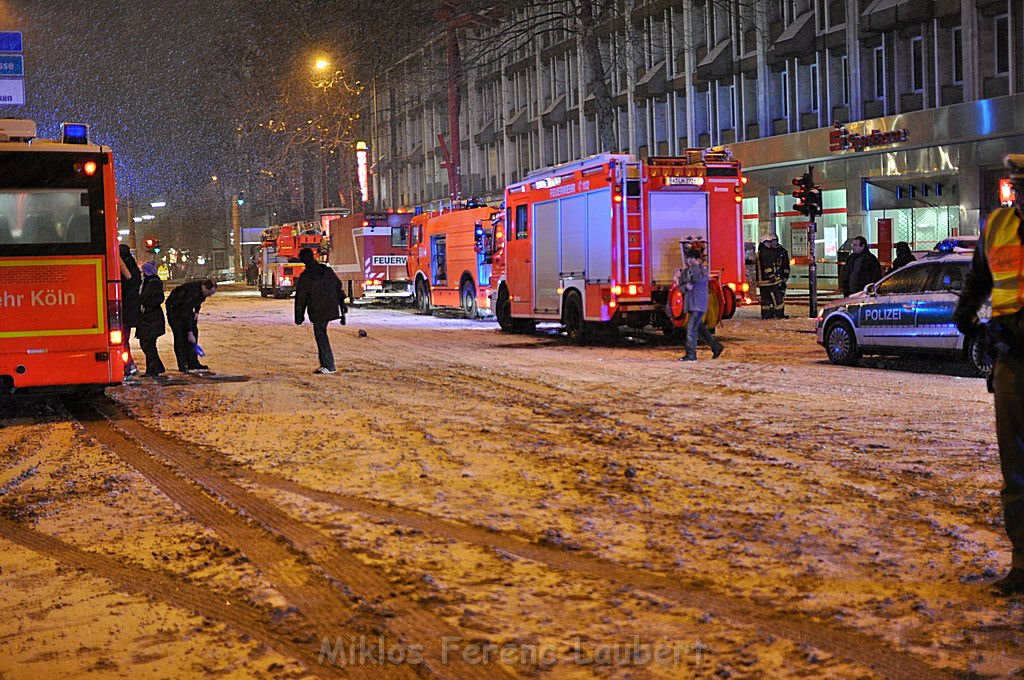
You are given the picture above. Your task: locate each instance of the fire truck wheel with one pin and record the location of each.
(467, 295)
(503, 310)
(730, 303)
(841, 344)
(576, 329)
(423, 298)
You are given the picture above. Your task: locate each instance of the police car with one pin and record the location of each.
(910, 310)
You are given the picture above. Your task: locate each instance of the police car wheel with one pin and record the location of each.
(841, 344)
(976, 356)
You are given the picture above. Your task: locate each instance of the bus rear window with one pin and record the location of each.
(44, 216)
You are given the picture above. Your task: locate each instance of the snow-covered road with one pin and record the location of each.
(577, 510)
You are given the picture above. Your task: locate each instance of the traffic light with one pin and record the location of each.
(807, 195)
(800, 194)
(153, 245)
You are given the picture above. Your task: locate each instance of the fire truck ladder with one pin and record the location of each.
(633, 212)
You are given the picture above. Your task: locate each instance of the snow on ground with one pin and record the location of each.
(866, 497)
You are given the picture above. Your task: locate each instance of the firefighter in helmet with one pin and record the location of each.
(998, 269)
(772, 275)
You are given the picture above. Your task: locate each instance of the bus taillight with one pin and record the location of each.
(114, 322)
(124, 357)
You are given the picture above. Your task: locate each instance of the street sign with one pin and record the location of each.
(10, 41)
(12, 92)
(12, 65)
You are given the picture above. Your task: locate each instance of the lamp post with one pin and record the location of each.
(325, 79)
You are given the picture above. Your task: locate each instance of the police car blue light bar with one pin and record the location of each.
(74, 133)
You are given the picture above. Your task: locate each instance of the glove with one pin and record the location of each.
(342, 320)
(298, 322)
(966, 325)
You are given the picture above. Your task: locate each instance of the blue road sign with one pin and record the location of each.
(12, 65)
(10, 41)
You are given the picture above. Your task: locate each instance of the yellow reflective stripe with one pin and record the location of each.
(1005, 254)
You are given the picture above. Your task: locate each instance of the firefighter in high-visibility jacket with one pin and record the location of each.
(772, 275)
(998, 268)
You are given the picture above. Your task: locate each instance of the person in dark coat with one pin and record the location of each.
(318, 294)
(903, 255)
(183, 305)
(131, 285)
(860, 269)
(694, 282)
(151, 318)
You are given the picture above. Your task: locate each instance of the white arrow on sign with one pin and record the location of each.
(12, 92)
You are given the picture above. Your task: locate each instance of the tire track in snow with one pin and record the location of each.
(337, 588)
(240, 616)
(866, 651)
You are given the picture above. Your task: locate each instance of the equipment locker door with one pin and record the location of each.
(675, 216)
(545, 258)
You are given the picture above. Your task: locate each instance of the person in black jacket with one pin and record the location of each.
(903, 255)
(131, 284)
(151, 318)
(183, 305)
(318, 293)
(860, 269)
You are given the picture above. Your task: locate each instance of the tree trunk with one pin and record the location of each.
(603, 103)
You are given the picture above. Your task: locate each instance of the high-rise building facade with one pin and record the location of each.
(905, 108)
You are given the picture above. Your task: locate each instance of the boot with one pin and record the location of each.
(1011, 584)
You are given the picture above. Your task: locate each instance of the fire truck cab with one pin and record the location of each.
(596, 243)
(452, 258)
(279, 264)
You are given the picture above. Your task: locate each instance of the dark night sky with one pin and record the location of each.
(148, 76)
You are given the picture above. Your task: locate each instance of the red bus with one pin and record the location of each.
(60, 321)
(451, 259)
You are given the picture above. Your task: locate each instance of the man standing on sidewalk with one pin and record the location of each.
(318, 293)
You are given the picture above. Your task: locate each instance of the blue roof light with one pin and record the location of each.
(74, 133)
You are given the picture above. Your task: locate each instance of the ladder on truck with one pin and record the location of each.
(633, 212)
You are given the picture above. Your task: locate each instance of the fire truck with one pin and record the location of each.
(368, 253)
(595, 244)
(452, 256)
(279, 259)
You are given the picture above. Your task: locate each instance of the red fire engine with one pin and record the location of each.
(368, 253)
(279, 261)
(595, 243)
(452, 258)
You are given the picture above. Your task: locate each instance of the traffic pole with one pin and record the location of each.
(812, 270)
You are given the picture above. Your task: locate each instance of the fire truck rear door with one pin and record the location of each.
(675, 216)
(545, 257)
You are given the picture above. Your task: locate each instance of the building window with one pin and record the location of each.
(814, 87)
(879, 73)
(727, 106)
(784, 98)
(958, 55)
(917, 64)
(846, 79)
(1002, 25)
